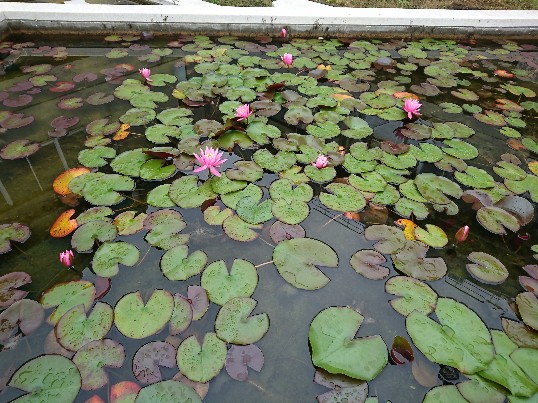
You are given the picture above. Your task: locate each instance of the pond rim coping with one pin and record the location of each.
(302, 18)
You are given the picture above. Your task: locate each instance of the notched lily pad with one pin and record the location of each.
(164, 228)
(8, 287)
(14, 232)
(486, 268)
(368, 262)
(201, 363)
(107, 258)
(240, 358)
(65, 296)
(234, 325)
(415, 295)
(177, 264)
(95, 355)
(150, 357)
(391, 239)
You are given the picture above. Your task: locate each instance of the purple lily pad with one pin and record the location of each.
(95, 355)
(478, 198)
(197, 297)
(99, 98)
(62, 86)
(240, 358)
(8, 287)
(3, 95)
(64, 122)
(57, 133)
(12, 232)
(518, 206)
(37, 68)
(511, 158)
(21, 100)
(394, 148)
(102, 286)
(20, 86)
(89, 77)
(70, 103)
(53, 346)
(26, 315)
(34, 91)
(280, 231)
(530, 284)
(368, 262)
(150, 357)
(532, 270)
(18, 149)
(16, 121)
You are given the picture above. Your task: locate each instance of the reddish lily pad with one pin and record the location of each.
(95, 355)
(52, 346)
(65, 296)
(197, 297)
(240, 358)
(62, 86)
(401, 351)
(69, 103)
(150, 357)
(487, 268)
(16, 120)
(26, 315)
(14, 232)
(391, 239)
(74, 329)
(280, 231)
(368, 262)
(8, 287)
(201, 363)
(520, 334)
(63, 225)
(61, 183)
(124, 392)
(48, 378)
(137, 320)
(19, 149)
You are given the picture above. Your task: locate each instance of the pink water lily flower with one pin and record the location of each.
(146, 73)
(462, 234)
(66, 258)
(209, 159)
(283, 33)
(412, 107)
(287, 59)
(243, 112)
(321, 162)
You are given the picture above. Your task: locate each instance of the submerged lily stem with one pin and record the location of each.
(263, 264)
(132, 198)
(143, 257)
(328, 222)
(20, 250)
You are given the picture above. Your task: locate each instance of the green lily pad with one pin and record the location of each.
(529, 184)
(245, 171)
(495, 220)
(65, 296)
(164, 229)
(444, 394)
(390, 239)
(175, 116)
(160, 80)
(74, 329)
(475, 178)
(342, 198)
(410, 191)
(214, 216)
(526, 359)
(85, 236)
(94, 214)
(129, 223)
(18, 149)
(138, 116)
(426, 152)
(297, 259)
(478, 389)
(460, 149)
(401, 161)
(177, 264)
(110, 254)
(221, 285)
(490, 118)
(335, 349)
(407, 208)
(239, 230)
(52, 378)
(137, 320)
(388, 196)
(461, 340)
(368, 182)
(527, 304)
(508, 170)
(95, 157)
(129, 162)
(260, 132)
(101, 189)
(322, 175)
(158, 197)
(432, 236)
(253, 213)
(92, 357)
(168, 391)
(186, 193)
(435, 188)
(234, 325)
(298, 113)
(201, 363)
(182, 315)
(290, 203)
(356, 166)
(530, 144)
(224, 185)
(231, 199)
(325, 130)
(275, 163)
(156, 170)
(415, 295)
(487, 268)
(229, 139)
(161, 134)
(12, 232)
(148, 100)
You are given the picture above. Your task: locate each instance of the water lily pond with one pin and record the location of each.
(268, 220)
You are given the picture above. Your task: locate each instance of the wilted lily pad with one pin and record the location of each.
(92, 357)
(487, 268)
(8, 287)
(48, 378)
(150, 357)
(234, 325)
(461, 340)
(110, 254)
(65, 296)
(14, 232)
(222, 285)
(177, 264)
(137, 320)
(335, 349)
(74, 329)
(201, 363)
(368, 262)
(415, 295)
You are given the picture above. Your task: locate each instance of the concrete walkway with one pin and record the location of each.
(301, 17)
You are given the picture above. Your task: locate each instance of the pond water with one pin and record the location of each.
(468, 157)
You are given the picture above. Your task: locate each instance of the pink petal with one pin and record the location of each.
(214, 171)
(199, 169)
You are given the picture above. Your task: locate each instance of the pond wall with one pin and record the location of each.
(301, 17)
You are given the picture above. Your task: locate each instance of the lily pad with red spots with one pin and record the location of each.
(14, 232)
(51, 378)
(150, 357)
(92, 357)
(19, 149)
(137, 320)
(8, 287)
(240, 358)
